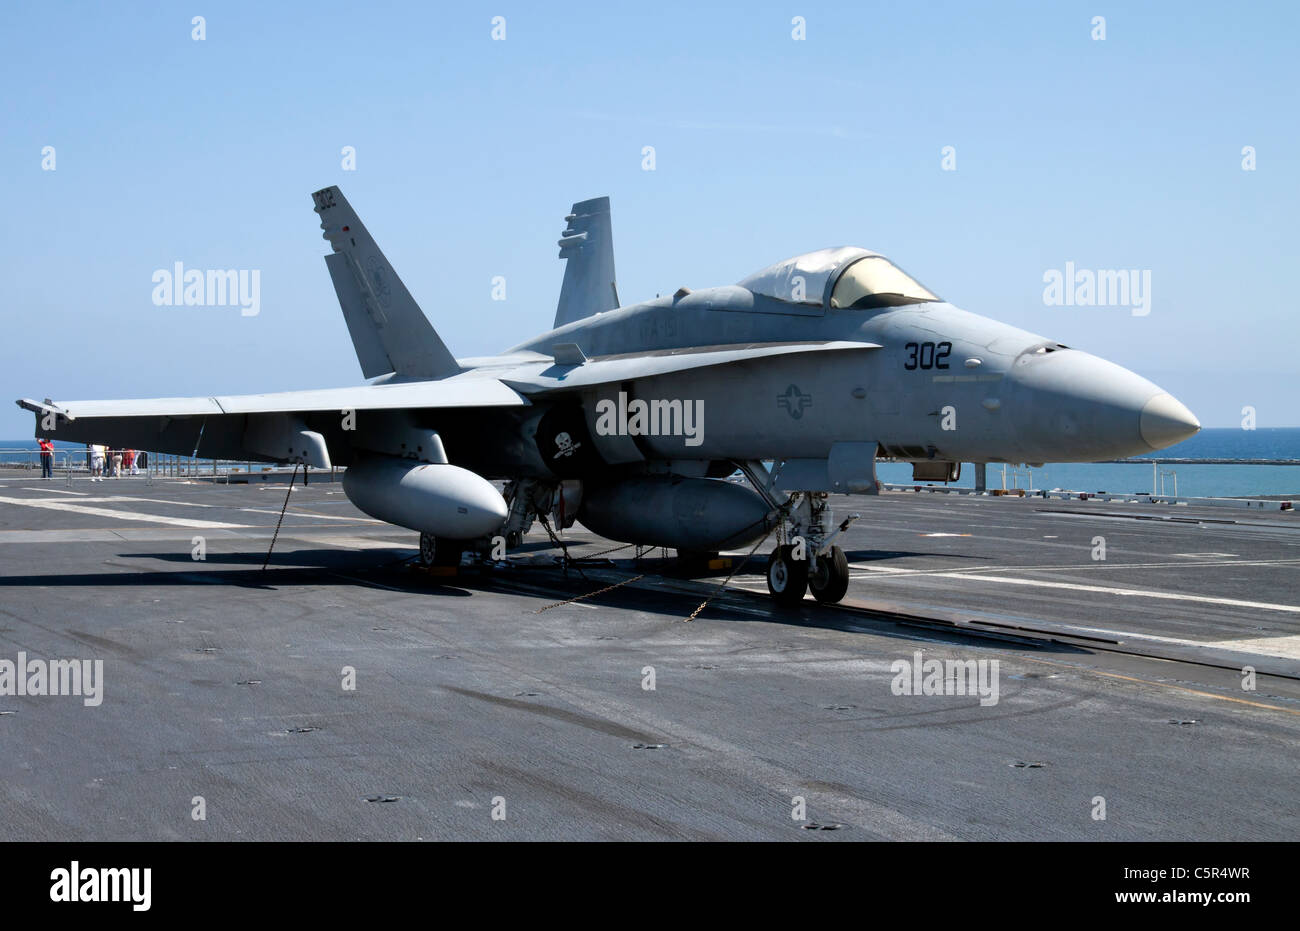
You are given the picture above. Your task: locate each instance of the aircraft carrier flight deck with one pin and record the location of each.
(1142, 660)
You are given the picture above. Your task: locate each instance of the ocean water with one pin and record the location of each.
(1233, 443)
(1211, 481)
(1192, 480)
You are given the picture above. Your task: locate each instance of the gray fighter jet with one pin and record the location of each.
(630, 419)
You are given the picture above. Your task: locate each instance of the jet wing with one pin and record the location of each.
(577, 372)
(452, 392)
(259, 426)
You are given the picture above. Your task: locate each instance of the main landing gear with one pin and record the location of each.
(788, 577)
(527, 500)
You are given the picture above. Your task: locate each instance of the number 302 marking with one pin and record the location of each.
(927, 355)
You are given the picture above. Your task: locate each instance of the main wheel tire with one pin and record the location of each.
(787, 577)
(829, 579)
(428, 549)
(440, 551)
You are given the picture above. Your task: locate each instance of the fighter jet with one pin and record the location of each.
(630, 419)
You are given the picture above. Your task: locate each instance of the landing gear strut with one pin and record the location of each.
(531, 499)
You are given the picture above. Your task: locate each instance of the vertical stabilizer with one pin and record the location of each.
(389, 331)
(587, 245)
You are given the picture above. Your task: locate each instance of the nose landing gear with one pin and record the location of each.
(810, 563)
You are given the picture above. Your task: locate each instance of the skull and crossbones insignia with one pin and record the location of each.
(565, 445)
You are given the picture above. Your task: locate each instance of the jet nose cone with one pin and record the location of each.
(1071, 406)
(1165, 421)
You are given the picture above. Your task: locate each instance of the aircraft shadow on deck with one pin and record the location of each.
(272, 578)
(880, 555)
(325, 558)
(757, 564)
(375, 567)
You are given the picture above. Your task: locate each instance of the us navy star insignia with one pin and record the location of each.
(794, 401)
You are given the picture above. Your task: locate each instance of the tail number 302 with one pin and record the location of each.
(927, 355)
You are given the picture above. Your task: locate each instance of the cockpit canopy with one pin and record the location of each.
(845, 278)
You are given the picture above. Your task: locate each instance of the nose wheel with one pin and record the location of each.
(787, 577)
(828, 579)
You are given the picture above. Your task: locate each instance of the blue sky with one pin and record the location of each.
(1123, 153)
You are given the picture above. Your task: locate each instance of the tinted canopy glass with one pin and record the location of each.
(804, 278)
(873, 282)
